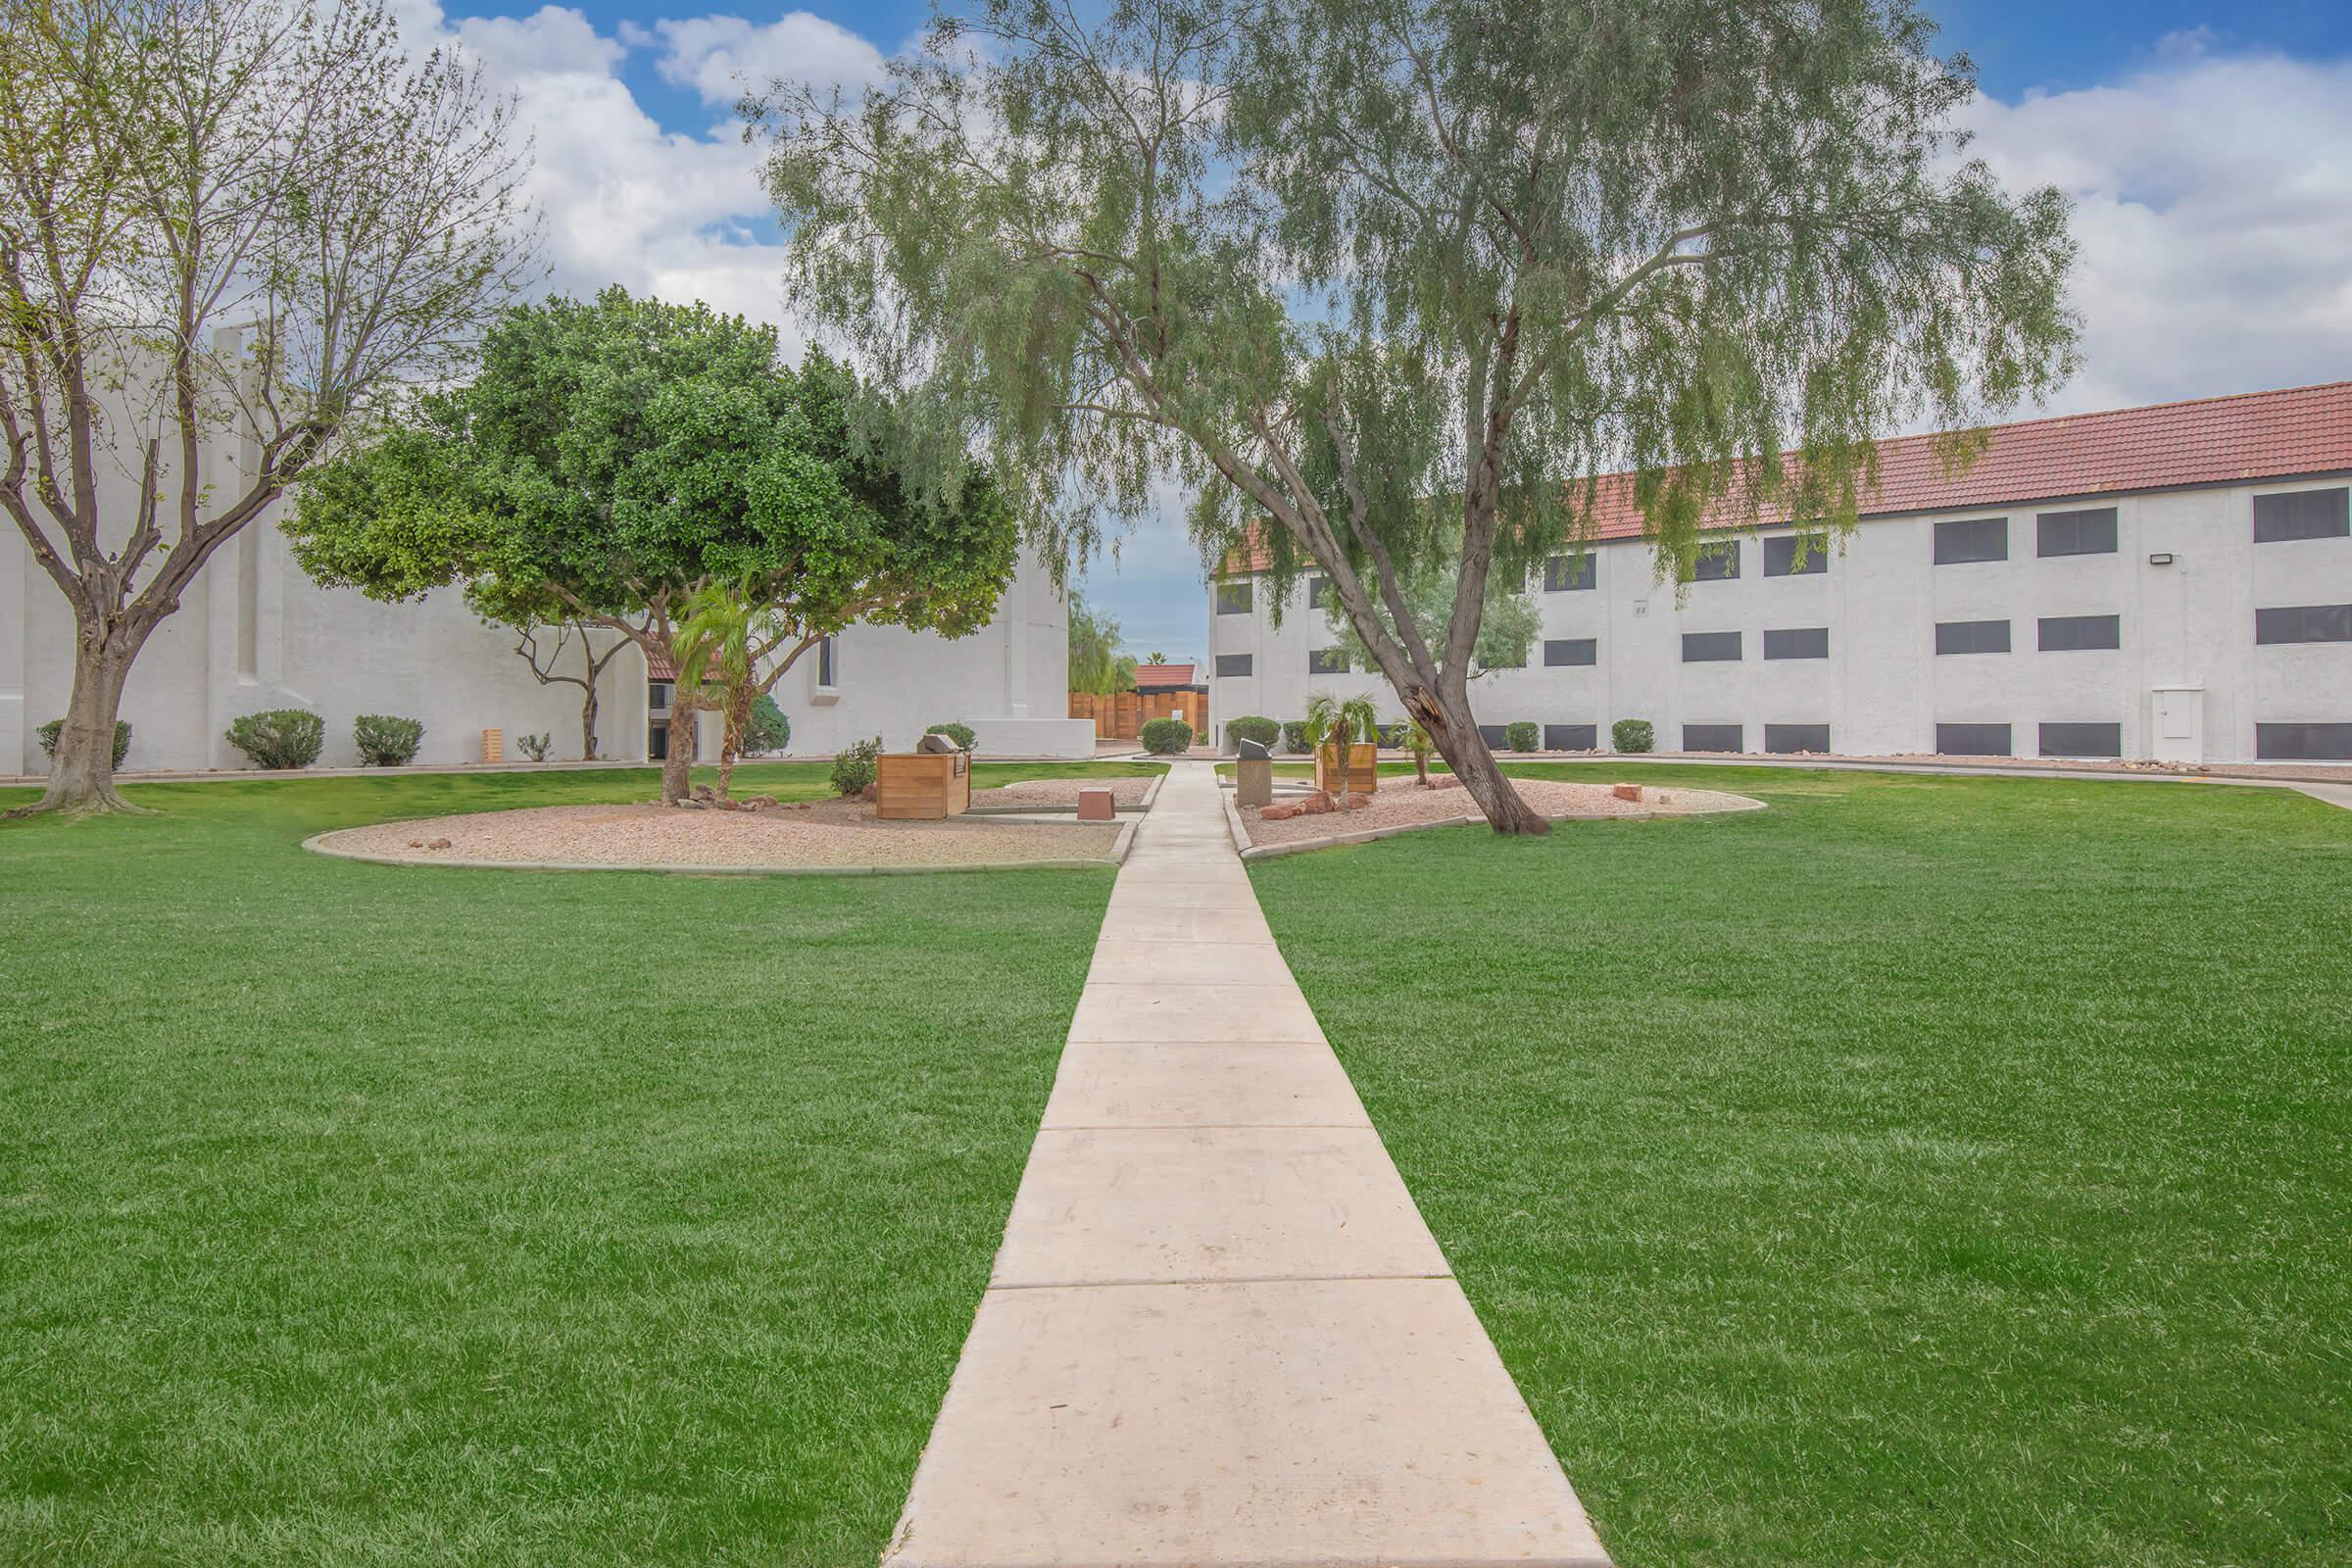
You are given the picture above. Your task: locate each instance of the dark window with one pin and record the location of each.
(1497, 736)
(1796, 737)
(2073, 634)
(2304, 623)
(1711, 738)
(1572, 737)
(2089, 532)
(1973, 740)
(1233, 664)
(1779, 554)
(1717, 562)
(2303, 743)
(828, 662)
(2302, 515)
(1797, 642)
(1233, 598)
(1318, 592)
(1567, 573)
(1972, 636)
(656, 696)
(2082, 740)
(1571, 650)
(1974, 539)
(1327, 661)
(1710, 647)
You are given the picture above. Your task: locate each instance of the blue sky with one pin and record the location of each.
(2208, 148)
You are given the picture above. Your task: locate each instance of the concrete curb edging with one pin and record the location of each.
(316, 844)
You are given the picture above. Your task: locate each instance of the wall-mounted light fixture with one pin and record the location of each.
(2162, 557)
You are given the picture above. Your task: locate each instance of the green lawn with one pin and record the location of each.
(1926, 1170)
(353, 1215)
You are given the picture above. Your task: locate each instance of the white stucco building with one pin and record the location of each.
(2171, 582)
(255, 632)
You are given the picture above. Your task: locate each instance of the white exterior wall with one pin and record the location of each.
(255, 632)
(1884, 688)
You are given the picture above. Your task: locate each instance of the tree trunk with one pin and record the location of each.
(676, 783)
(81, 770)
(588, 723)
(730, 741)
(1455, 734)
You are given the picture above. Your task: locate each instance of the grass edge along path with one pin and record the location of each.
(364, 1214)
(1924, 1170)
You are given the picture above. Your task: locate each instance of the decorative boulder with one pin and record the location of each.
(1626, 791)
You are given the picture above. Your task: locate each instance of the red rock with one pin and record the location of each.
(1317, 803)
(438, 844)
(1626, 791)
(1358, 803)
(1445, 781)
(1277, 813)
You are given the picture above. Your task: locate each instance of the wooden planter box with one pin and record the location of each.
(924, 785)
(1363, 768)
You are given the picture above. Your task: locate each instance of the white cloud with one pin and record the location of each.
(2213, 204)
(720, 57)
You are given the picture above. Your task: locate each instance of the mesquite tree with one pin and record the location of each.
(619, 460)
(222, 223)
(1380, 277)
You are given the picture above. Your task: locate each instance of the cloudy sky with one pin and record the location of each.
(2208, 148)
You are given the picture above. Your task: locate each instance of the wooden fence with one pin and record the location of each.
(1121, 716)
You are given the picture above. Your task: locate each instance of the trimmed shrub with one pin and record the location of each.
(1165, 737)
(961, 734)
(386, 741)
(1632, 735)
(1251, 727)
(768, 729)
(854, 769)
(281, 737)
(535, 747)
(50, 732)
(1521, 735)
(1293, 736)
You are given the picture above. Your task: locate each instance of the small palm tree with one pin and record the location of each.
(715, 645)
(1338, 722)
(1416, 740)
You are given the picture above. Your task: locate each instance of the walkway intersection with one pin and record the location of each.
(1218, 1331)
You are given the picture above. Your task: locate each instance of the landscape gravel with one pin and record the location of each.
(1404, 803)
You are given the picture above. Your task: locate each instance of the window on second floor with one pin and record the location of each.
(1560, 650)
(1781, 555)
(1228, 664)
(656, 696)
(1797, 642)
(1972, 539)
(1234, 598)
(1568, 573)
(2087, 532)
(1717, 562)
(2302, 515)
(2075, 634)
(1710, 647)
(1972, 636)
(1327, 661)
(2304, 623)
(1319, 591)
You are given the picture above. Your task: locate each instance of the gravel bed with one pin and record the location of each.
(826, 833)
(1402, 802)
(1127, 794)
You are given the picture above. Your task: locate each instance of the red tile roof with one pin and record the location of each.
(657, 667)
(1156, 677)
(2226, 440)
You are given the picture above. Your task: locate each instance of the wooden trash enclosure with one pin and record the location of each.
(1363, 768)
(1121, 716)
(922, 785)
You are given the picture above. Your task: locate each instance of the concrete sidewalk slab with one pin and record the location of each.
(1175, 1206)
(1219, 1334)
(1335, 1422)
(1165, 1085)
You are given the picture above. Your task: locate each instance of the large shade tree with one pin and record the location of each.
(223, 223)
(621, 459)
(1377, 277)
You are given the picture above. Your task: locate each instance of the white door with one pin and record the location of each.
(2179, 723)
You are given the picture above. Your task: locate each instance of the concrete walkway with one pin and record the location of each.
(1218, 1331)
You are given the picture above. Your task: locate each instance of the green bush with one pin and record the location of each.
(1632, 735)
(1165, 737)
(50, 732)
(386, 741)
(961, 734)
(768, 729)
(1522, 735)
(282, 737)
(1251, 727)
(535, 747)
(854, 770)
(1293, 736)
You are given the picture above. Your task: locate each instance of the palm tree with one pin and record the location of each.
(1338, 722)
(716, 641)
(1416, 740)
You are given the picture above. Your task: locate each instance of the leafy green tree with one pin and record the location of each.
(1507, 626)
(1095, 660)
(238, 219)
(608, 462)
(717, 648)
(1377, 277)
